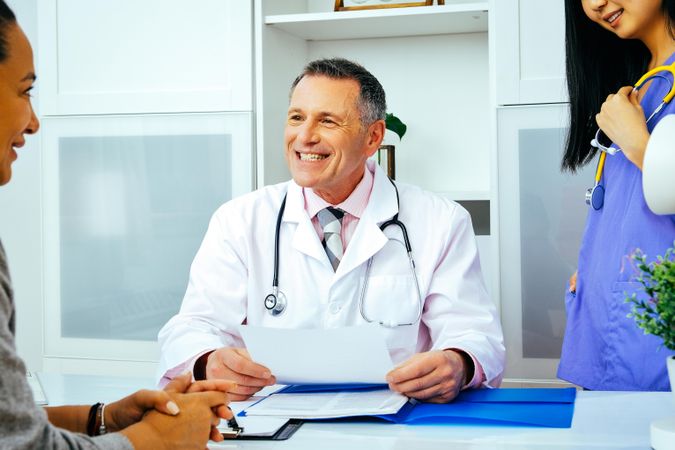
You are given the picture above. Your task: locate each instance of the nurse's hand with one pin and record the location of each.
(573, 282)
(435, 376)
(235, 364)
(622, 119)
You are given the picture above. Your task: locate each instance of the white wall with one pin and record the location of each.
(20, 222)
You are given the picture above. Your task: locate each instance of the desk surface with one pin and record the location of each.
(602, 420)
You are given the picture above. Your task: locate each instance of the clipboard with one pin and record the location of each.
(281, 433)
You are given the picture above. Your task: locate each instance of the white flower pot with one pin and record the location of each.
(663, 430)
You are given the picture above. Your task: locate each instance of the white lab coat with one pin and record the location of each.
(233, 270)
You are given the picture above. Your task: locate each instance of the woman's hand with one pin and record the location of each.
(131, 409)
(190, 429)
(622, 119)
(573, 282)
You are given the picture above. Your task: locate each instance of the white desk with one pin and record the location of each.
(602, 420)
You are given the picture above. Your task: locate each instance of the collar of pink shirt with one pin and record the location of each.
(353, 206)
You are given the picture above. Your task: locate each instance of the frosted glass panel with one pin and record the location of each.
(133, 211)
(552, 217)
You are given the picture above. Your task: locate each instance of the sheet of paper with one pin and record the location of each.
(328, 405)
(320, 356)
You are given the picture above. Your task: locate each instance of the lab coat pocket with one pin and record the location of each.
(393, 301)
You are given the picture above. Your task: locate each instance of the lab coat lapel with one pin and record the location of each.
(305, 239)
(368, 239)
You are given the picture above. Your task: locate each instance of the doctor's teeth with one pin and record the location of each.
(311, 157)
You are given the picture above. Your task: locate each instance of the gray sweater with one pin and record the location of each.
(23, 425)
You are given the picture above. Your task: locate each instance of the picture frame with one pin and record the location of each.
(354, 5)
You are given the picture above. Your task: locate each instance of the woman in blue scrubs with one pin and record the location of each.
(610, 44)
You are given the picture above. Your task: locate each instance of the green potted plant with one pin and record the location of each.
(656, 315)
(385, 154)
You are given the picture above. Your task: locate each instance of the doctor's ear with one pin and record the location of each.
(375, 135)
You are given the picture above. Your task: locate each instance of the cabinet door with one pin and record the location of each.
(529, 42)
(127, 200)
(130, 56)
(542, 214)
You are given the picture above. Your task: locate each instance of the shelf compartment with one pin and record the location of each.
(464, 17)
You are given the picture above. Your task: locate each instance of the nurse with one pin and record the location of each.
(440, 325)
(610, 44)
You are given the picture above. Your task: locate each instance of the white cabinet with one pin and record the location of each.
(127, 200)
(147, 127)
(529, 51)
(130, 56)
(542, 214)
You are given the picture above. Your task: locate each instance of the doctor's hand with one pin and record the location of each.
(622, 119)
(435, 376)
(235, 364)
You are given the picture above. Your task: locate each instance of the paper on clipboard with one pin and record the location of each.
(320, 356)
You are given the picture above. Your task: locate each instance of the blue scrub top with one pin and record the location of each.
(602, 348)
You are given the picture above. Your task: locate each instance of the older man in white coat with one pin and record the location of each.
(330, 216)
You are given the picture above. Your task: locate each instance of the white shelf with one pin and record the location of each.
(462, 17)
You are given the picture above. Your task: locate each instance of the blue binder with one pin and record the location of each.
(540, 407)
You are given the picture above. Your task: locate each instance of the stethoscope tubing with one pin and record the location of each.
(595, 195)
(275, 302)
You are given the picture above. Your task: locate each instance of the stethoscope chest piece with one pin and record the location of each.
(595, 197)
(275, 303)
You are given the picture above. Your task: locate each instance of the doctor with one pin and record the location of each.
(441, 327)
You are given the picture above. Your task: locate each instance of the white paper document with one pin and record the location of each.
(320, 356)
(329, 405)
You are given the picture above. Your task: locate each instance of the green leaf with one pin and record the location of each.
(394, 124)
(655, 315)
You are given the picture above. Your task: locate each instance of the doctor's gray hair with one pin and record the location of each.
(372, 102)
(7, 18)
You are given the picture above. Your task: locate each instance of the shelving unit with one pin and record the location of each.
(434, 63)
(465, 17)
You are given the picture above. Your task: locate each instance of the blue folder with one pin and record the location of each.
(540, 407)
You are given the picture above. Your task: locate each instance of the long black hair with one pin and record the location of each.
(598, 63)
(7, 18)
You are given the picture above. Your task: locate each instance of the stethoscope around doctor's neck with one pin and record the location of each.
(595, 196)
(276, 302)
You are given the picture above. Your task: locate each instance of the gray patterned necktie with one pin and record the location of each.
(330, 220)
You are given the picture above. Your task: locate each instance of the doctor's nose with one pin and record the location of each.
(307, 134)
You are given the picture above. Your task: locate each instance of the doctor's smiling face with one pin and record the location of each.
(327, 144)
(628, 19)
(17, 118)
